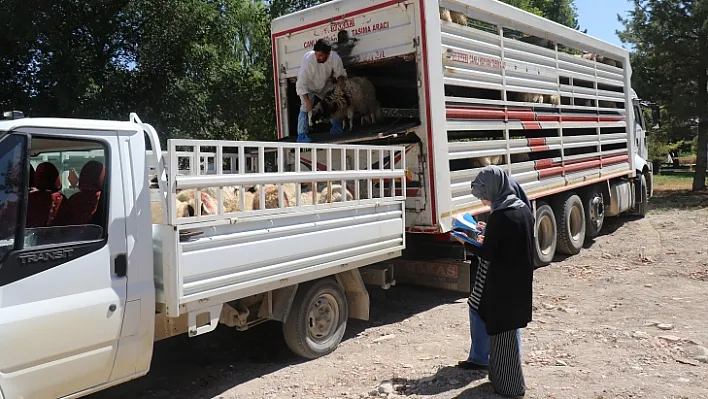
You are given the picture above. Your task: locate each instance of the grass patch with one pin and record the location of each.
(673, 182)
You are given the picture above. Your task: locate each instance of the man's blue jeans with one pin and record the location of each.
(479, 349)
(303, 124)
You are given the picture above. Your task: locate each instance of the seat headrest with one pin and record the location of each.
(32, 177)
(91, 176)
(47, 177)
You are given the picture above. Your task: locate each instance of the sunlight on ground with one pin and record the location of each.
(672, 182)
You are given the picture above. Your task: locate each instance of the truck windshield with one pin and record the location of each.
(12, 159)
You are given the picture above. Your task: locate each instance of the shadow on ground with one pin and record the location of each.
(679, 199)
(661, 201)
(447, 379)
(208, 365)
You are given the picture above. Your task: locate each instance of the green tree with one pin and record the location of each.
(192, 68)
(670, 64)
(562, 11)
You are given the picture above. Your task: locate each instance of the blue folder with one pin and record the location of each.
(468, 223)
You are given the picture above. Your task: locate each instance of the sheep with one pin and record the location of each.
(584, 102)
(184, 206)
(181, 210)
(453, 16)
(357, 98)
(599, 58)
(554, 99)
(607, 104)
(333, 193)
(525, 97)
(545, 43)
(209, 203)
(271, 198)
(498, 160)
(305, 194)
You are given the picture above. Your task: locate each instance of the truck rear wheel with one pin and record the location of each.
(594, 212)
(317, 320)
(546, 227)
(571, 227)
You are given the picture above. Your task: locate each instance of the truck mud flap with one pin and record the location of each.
(449, 275)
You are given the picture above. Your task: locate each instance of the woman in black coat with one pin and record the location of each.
(502, 291)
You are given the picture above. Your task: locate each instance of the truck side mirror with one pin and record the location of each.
(655, 117)
(12, 115)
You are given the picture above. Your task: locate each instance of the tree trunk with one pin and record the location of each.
(699, 180)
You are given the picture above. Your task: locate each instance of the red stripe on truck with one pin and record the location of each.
(536, 141)
(471, 113)
(337, 18)
(531, 125)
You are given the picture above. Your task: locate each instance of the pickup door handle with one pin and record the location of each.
(121, 265)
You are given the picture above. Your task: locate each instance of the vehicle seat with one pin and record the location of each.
(82, 207)
(44, 203)
(31, 178)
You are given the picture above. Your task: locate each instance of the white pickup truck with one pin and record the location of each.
(85, 263)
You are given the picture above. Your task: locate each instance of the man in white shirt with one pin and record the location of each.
(314, 79)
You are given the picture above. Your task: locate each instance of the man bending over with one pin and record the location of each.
(314, 79)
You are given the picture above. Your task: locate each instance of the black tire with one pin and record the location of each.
(571, 223)
(643, 197)
(307, 336)
(545, 242)
(594, 205)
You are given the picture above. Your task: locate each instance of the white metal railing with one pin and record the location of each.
(351, 175)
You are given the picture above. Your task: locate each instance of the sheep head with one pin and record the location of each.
(186, 206)
(333, 105)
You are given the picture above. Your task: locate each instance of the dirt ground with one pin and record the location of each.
(626, 318)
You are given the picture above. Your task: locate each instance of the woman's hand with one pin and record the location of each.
(481, 226)
(73, 178)
(480, 239)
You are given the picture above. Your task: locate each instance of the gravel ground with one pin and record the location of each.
(626, 318)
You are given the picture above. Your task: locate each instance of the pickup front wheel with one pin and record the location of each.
(317, 320)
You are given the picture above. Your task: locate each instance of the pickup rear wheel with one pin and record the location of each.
(317, 320)
(545, 247)
(571, 225)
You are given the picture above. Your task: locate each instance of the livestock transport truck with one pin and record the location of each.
(83, 259)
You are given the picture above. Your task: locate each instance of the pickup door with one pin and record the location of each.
(62, 285)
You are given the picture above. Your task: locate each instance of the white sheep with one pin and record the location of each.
(498, 160)
(306, 194)
(554, 99)
(334, 193)
(184, 206)
(525, 97)
(545, 43)
(584, 102)
(453, 16)
(599, 58)
(271, 198)
(357, 98)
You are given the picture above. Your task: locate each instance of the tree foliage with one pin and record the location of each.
(191, 68)
(562, 11)
(670, 66)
